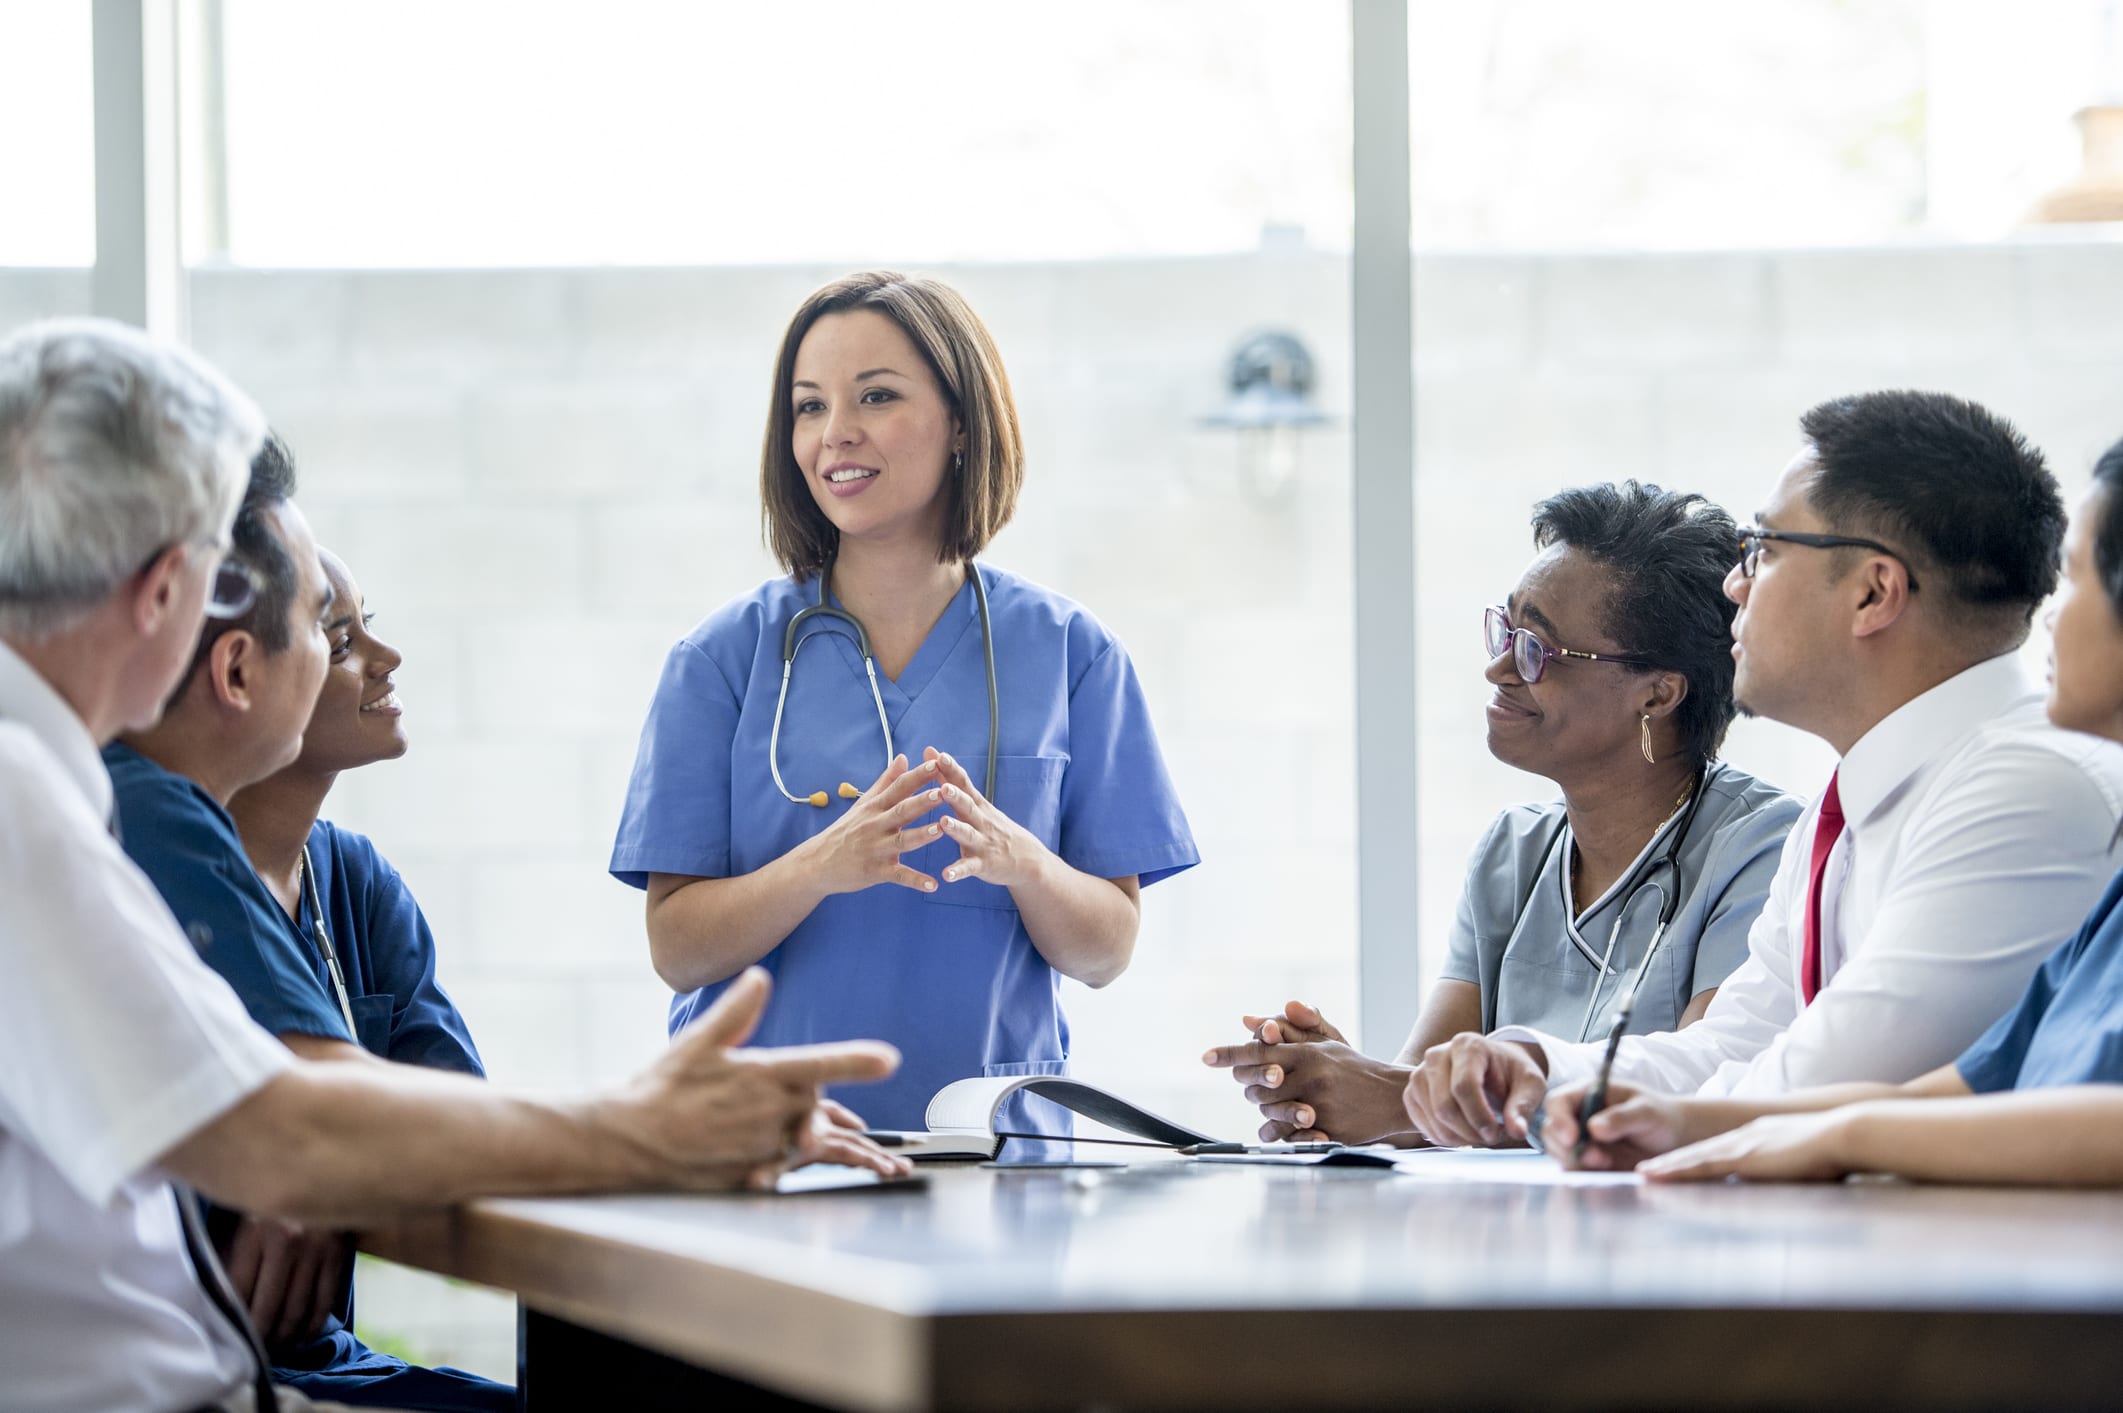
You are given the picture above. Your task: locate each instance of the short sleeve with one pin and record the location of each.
(677, 813)
(1120, 815)
(426, 1028)
(1742, 862)
(1462, 948)
(194, 858)
(1993, 1062)
(115, 1043)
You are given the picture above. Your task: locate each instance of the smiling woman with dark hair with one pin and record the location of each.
(1612, 667)
(916, 788)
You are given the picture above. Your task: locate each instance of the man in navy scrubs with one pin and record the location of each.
(235, 719)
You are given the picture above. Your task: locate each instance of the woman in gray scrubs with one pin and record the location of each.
(1612, 667)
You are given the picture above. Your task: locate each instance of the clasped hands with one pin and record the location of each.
(864, 845)
(1311, 1085)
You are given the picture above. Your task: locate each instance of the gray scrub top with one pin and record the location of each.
(1536, 959)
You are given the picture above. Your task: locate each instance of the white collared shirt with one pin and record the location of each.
(1976, 838)
(116, 1043)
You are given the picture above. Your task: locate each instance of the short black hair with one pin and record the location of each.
(1668, 553)
(1950, 483)
(258, 545)
(2108, 531)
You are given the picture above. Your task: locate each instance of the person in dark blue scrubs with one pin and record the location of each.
(218, 805)
(2038, 1098)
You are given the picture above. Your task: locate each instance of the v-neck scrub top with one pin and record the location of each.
(950, 977)
(1536, 951)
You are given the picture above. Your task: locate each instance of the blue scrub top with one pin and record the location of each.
(2068, 1027)
(187, 845)
(950, 977)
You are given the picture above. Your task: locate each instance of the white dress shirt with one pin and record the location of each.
(116, 1043)
(1976, 838)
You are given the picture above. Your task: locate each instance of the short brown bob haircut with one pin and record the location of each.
(962, 357)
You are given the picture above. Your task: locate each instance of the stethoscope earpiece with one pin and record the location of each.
(847, 792)
(816, 799)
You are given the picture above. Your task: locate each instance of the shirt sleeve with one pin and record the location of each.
(1741, 865)
(1119, 812)
(115, 1043)
(196, 862)
(426, 1028)
(1462, 948)
(1994, 1061)
(677, 813)
(1993, 879)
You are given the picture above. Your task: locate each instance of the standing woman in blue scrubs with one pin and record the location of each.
(894, 889)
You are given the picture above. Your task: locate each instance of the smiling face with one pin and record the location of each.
(2086, 654)
(1579, 713)
(357, 720)
(872, 432)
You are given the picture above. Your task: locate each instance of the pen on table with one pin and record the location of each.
(885, 1140)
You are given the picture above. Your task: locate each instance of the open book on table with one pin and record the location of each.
(962, 1118)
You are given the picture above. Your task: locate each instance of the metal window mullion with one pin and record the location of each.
(1383, 553)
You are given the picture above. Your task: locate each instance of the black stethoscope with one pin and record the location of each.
(791, 645)
(1669, 902)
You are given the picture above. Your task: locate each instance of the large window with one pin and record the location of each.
(649, 132)
(48, 211)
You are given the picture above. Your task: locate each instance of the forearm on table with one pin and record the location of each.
(1082, 924)
(337, 1144)
(2071, 1137)
(1709, 1116)
(707, 930)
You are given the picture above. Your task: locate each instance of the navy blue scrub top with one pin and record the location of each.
(185, 842)
(2068, 1027)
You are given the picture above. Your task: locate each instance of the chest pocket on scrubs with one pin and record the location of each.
(372, 1022)
(1028, 789)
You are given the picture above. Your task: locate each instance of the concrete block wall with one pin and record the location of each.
(542, 478)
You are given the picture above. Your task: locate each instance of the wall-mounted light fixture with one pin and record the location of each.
(1269, 381)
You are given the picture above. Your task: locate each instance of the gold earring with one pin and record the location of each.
(1649, 758)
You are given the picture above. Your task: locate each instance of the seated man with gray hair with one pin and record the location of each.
(130, 1076)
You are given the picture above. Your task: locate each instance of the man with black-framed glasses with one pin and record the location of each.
(1884, 593)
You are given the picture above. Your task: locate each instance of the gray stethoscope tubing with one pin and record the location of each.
(791, 645)
(324, 945)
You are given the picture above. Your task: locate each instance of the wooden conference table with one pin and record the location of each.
(1170, 1284)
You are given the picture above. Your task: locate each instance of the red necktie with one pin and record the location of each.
(1825, 833)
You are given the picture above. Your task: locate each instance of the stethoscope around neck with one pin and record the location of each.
(791, 644)
(1669, 903)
